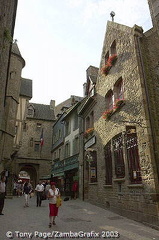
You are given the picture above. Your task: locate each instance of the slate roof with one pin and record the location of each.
(67, 104)
(26, 88)
(42, 112)
(15, 50)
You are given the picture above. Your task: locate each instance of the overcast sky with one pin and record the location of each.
(60, 39)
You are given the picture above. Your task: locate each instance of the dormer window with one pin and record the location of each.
(31, 111)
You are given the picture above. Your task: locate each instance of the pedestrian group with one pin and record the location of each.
(45, 190)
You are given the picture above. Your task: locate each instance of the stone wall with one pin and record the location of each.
(27, 156)
(7, 21)
(131, 200)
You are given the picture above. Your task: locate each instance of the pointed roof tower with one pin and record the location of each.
(15, 51)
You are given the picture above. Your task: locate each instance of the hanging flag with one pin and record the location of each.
(42, 139)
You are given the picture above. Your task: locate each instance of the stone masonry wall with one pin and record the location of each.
(134, 201)
(7, 20)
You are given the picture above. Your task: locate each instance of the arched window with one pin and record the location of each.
(119, 89)
(106, 57)
(108, 164)
(113, 48)
(109, 100)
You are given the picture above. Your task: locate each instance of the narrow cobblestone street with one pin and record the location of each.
(75, 216)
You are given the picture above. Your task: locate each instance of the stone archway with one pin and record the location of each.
(32, 172)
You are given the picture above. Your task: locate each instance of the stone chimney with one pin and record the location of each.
(52, 104)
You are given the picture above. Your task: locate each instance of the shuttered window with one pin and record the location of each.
(133, 156)
(118, 156)
(108, 164)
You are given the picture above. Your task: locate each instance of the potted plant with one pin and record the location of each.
(88, 132)
(119, 102)
(111, 60)
(106, 115)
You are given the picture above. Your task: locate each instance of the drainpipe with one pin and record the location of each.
(148, 102)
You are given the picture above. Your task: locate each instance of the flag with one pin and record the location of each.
(41, 139)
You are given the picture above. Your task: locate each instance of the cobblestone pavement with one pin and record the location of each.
(75, 216)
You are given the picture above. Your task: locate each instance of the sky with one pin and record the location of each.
(60, 39)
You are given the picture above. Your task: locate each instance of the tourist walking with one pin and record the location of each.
(52, 195)
(2, 193)
(75, 189)
(39, 192)
(27, 190)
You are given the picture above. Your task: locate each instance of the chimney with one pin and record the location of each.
(52, 104)
(84, 89)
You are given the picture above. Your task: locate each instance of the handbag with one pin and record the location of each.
(58, 201)
(43, 196)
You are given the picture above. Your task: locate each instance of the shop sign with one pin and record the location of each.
(90, 142)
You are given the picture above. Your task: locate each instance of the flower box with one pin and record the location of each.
(106, 115)
(119, 102)
(111, 60)
(88, 132)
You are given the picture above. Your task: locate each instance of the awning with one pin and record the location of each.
(58, 174)
(46, 177)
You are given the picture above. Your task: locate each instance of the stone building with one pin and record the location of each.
(65, 148)
(7, 23)
(125, 144)
(16, 65)
(34, 155)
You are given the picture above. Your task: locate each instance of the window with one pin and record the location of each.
(118, 89)
(37, 146)
(38, 126)
(59, 135)
(67, 150)
(67, 128)
(113, 48)
(93, 167)
(75, 122)
(92, 119)
(76, 145)
(118, 156)
(31, 142)
(106, 57)
(16, 129)
(88, 122)
(108, 164)
(30, 111)
(109, 100)
(24, 126)
(133, 155)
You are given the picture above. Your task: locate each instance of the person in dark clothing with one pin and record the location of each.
(26, 191)
(39, 191)
(2, 193)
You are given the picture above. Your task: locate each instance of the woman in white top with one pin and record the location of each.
(52, 195)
